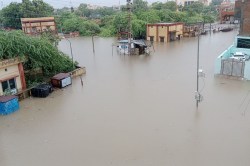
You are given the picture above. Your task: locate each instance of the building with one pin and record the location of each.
(189, 2)
(11, 76)
(35, 26)
(191, 30)
(226, 12)
(164, 32)
(242, 13)
(235, 61)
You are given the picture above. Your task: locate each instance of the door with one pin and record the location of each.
(151, 38)
(232, 67)
(161, 39)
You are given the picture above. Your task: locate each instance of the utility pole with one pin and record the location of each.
(129, 9)
(199, 73)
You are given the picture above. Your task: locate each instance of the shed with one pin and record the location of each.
(8, 104)
(61, 80)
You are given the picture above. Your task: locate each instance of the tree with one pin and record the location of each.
(139, 28)
(83, 10)
(151, 16)
(85, 27)
(171, 5)
(36, 8)
(196, 7)
(11, 15)
(120, 22)
(38, 52)
(139, 5)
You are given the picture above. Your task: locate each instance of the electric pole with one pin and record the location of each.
(129, 10)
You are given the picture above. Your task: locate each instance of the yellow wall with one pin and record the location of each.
(151, 32)
(11, 70)
(163, 31)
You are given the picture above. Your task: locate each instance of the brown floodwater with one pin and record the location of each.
(135, 111)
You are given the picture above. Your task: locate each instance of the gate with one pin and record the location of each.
(232, 67)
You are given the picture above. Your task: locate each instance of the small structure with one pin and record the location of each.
(8, 104)
(137, 47)
(164, 32)
(190, 30)
(61, 80)
(235, 61)
(35, 26)
(11, 76)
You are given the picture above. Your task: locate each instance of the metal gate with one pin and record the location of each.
(232, 67)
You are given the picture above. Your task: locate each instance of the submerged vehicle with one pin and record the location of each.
(226, 29)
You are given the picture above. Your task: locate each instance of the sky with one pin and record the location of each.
(75, 3)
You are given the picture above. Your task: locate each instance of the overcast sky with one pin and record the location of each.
(75, 3)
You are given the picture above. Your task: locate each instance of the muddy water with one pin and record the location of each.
(135, 111)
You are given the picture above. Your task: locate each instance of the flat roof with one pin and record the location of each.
(37, 19)
(166, 23)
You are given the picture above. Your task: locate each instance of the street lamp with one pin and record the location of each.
(199, 72)
(70, 51)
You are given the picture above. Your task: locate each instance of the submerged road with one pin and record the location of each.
(135, 111)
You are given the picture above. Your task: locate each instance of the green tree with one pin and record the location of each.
(36, 8)
(171, 5)
(196, 7)
(120, 22)
(38, 52)
(139, 5)
(83, 10)
(151, 16)
(11, 15)
(139, 28)
(85, 27)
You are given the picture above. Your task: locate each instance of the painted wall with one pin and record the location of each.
(151, 32)
(162, 30)
(11, 71)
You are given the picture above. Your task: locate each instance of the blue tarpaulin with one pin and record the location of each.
(8, 104)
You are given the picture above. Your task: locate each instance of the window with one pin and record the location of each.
(9, 84)
(243, 43)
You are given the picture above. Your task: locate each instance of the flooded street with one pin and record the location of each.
(135, 111)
